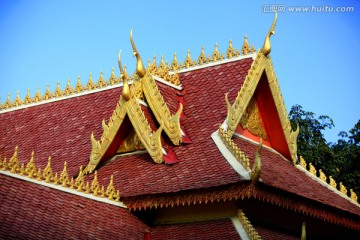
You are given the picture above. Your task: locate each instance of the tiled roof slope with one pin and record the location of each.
(281, 174)
(58, 129)
(219, 229)
(50, 214)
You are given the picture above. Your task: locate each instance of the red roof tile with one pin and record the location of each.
(59, 129)
(219, 229)
(52, 214)
(281, 174)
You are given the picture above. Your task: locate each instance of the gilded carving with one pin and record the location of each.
(101, 83)
(245, 49)
(188, 61)
(230, 52)
(251, 120)
(131, 143)
(30, 169)
(171, 123)
(312, 169)
(332, 182)
(47, 174)
(302, 162)
(353, 195)
(236, 111)
(234, 149)
(266, 49)
(256, 170)
(322, 175)
(250, 230)
(343, 189)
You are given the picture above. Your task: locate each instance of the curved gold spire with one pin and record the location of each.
(256, 170)
(266, 49)
(140, 69)
(303, 231)
(126, 89)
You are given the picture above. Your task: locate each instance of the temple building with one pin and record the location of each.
(195, 149)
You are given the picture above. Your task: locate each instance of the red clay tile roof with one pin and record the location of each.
(62, 129)
(59, 129)
(219, 229)
(31, 211)
(272, 233)
(281, 174)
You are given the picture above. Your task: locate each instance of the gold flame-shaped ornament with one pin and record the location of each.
(140, 69)
(126, 89)
(266, 49)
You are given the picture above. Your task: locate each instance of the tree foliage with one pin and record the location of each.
(340, 160)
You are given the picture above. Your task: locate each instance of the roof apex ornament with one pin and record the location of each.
(266, 49)
(140, 70)
(126, 90)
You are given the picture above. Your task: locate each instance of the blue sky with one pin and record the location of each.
(315, 54)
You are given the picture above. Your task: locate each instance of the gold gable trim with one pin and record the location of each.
(236, 111)
(48, 176)
(340, 188)
(250, 230)
(171, 123)
(150, 140)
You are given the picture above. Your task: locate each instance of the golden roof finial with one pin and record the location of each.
(112, 77)
(8, 102)
(37, 97)
(256, 170)
(216, 55)
(79, 86)
(140, 70)
(47, 94)
(28, 97)
(175, 63)
(230, 51)
(266, 49)
(17, 99)
(58, 92)
(126, 90)
(245, 47)
(202, 57)
(188, 61)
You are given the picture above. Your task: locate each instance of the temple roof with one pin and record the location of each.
(214, 149)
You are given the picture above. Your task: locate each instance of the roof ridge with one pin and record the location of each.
(62, 181)
(163, 70)
(340, 189)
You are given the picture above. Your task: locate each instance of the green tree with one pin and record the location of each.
(340, 160)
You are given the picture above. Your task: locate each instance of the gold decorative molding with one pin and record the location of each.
(250, 230)
(353, 195)
(251, 120)
(114, 81)
(234, 149)
(171, 123)
(236, 111)
(47, 175)
(131, 143)
(312, 169)
(332, 183)
(163, 70)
